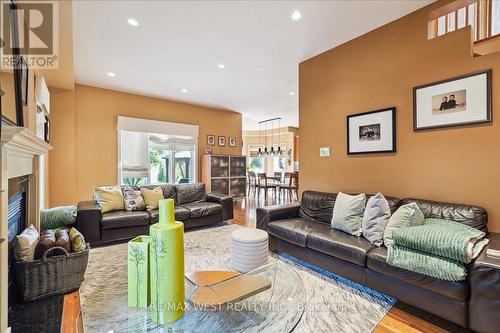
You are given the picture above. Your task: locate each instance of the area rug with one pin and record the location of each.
(334, 304)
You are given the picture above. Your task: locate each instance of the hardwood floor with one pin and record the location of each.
(401, 318)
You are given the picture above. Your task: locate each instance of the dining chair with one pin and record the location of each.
(252, 182)
(290, 184)
(264, 184)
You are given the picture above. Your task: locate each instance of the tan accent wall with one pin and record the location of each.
(91, 159)
(62, 158)
(379, 70)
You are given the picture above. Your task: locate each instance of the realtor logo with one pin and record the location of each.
(29, 29)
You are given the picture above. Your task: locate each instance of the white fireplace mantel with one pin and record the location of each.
(20, 146)
(20, 154)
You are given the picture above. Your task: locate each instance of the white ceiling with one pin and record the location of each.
(178, 45)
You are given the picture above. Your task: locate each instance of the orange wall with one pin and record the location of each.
(94, 150)
(379, 70)
(62, 157)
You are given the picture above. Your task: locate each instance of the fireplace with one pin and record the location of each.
(17, 222)
(21, 177)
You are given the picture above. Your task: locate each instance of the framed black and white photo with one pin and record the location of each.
(211, 140)
(232, 142)
(459, 101)
(222, 141)
(372, 132)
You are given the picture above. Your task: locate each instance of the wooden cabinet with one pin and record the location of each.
(224, 174)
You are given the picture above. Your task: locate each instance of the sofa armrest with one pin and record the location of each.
(484, 278)
(277, 212)
(226, 202)
(88, 220)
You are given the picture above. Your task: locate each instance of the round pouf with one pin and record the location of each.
(248, 249)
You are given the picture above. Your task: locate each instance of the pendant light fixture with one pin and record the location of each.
(271, 150)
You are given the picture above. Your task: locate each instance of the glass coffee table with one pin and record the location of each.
(271, 298)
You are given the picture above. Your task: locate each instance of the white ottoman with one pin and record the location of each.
(248, 249)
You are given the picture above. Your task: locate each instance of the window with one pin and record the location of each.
(255, 162)
(495, 18)
(156, 158)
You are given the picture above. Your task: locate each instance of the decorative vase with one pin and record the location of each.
(138, 272)
(167, 266)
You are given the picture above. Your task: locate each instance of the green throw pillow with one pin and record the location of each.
(76, 240)
(57, 217)
(348, 213)
(152, 197)
(408, 215)
(109, 198)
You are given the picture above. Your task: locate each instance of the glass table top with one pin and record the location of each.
(276, 305)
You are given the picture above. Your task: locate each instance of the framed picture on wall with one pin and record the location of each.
(24, 81)
(372, 132)
(458, 101)
(232, 142)
(222, 141)
(211, 140)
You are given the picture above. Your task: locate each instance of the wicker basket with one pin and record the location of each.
(50, 276)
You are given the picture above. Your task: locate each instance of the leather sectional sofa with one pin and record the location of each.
(193, 207)
(303, 230)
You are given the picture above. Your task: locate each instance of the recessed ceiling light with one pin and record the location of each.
(133, 22)
(110, 74)
(296, 15)
(184, 90)
(221, 66)
(291, 93)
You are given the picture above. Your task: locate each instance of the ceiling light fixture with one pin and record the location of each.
(291, 93)
(110, 74)
(184, 90)
(133, 22)
(296, 15)
(221, 66)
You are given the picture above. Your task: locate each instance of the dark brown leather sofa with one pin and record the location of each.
(193, 207)
(303, 230)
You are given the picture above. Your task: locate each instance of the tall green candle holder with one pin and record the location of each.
(167, 266)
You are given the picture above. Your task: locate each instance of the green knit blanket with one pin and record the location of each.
(57, 217)
(438, 248)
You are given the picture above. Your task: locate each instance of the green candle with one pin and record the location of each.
(167, 266)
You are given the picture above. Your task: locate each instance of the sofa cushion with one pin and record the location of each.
(109, 198)
(186, 193)
(348, 213)
(377, 213)
(203, 208)
(181, 214)
(317, 206)
(295, 230)
(472, 216)
(377, 261)
(340, 245)
(408, 215)
(124, 219)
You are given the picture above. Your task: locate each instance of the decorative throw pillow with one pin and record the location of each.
(152, 197)
(76, 240)
(133, 199)
(25, 244)
(109, 198)
(408, 215)
(348, 213)
(377, 213)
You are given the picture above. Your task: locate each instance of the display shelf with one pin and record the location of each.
(224, 174)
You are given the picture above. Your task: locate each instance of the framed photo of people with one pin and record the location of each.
(372, 132)
(457, 101)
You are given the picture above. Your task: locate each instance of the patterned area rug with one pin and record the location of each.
(334, 304)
